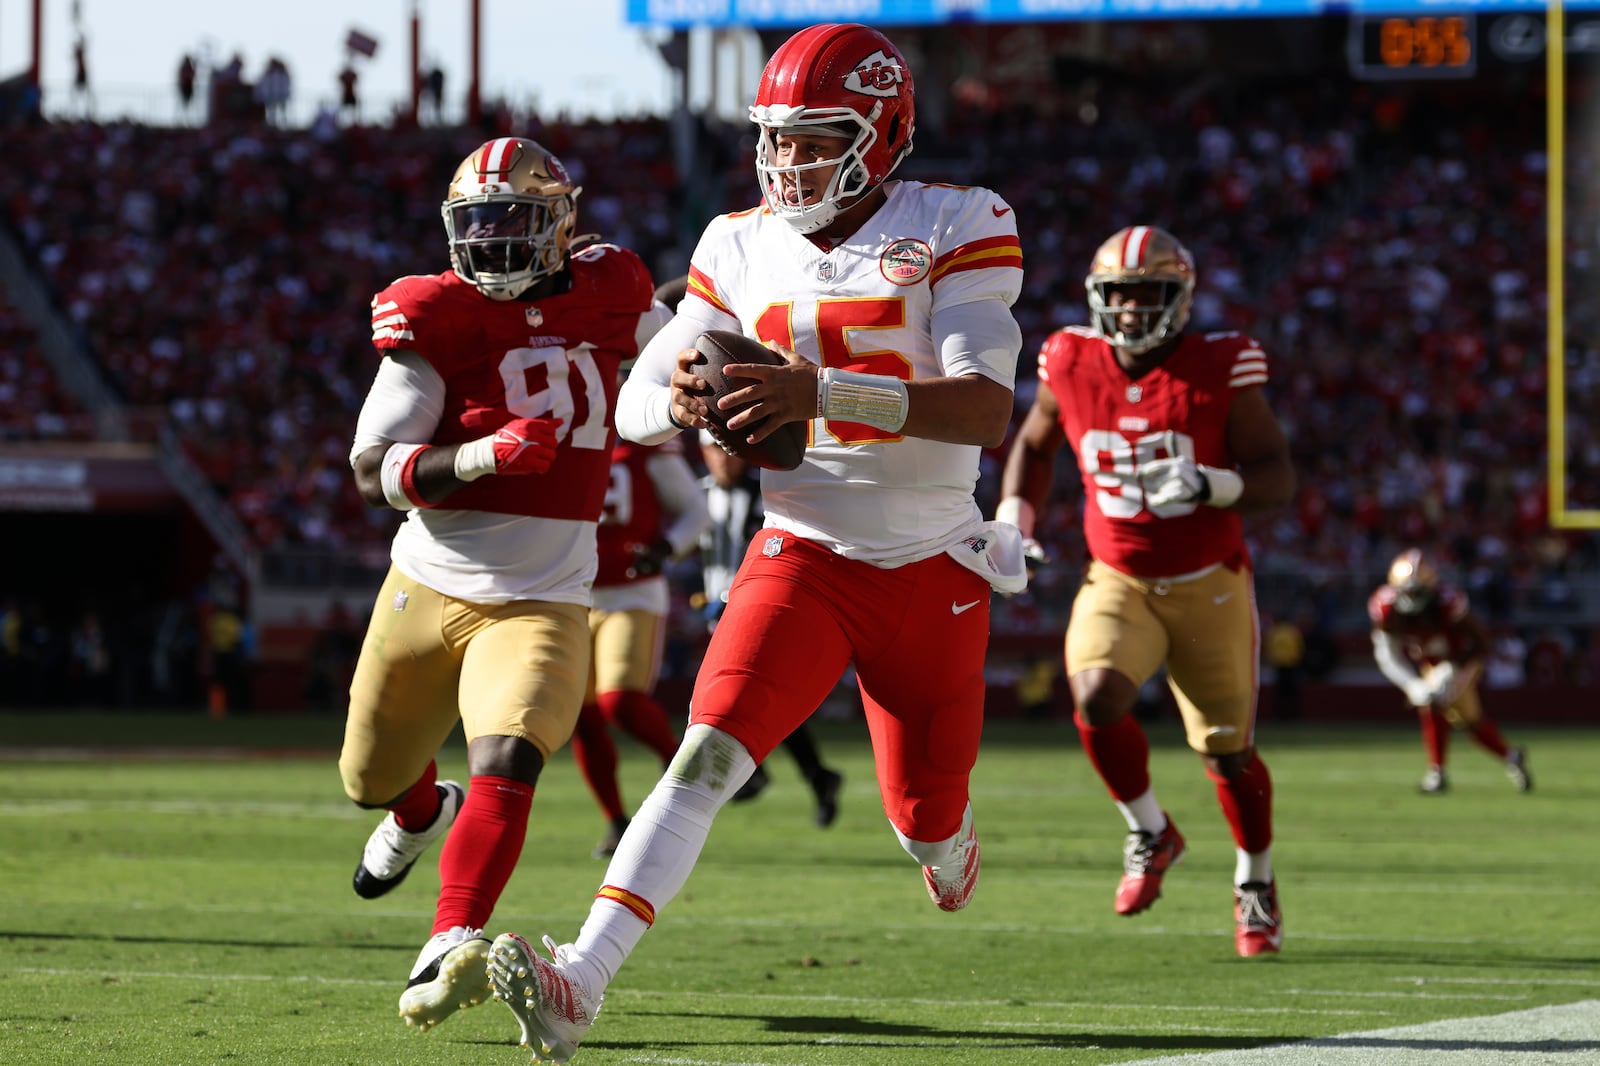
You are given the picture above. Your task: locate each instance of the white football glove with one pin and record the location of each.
(1033, 555)
(1169, 481)
(1178, 484)
(1418, 693)
(1441, 682)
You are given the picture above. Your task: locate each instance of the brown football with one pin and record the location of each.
(785, 449)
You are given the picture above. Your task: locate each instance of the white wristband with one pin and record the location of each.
(394, 461)
(1226, 486)
(873, 399)
(475, 458)
(1017, 512)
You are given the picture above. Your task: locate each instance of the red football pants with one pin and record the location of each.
(798, 614)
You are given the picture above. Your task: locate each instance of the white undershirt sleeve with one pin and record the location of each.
(1392, 662)
(978, 337)
(405, 404)
(646, 397)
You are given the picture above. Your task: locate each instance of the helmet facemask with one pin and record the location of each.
(1158, 322)
(503, 244)
(851, 179)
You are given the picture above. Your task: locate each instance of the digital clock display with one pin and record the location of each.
(1413, 46)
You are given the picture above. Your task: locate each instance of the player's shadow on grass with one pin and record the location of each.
(1498, 1047)
(846, 1032)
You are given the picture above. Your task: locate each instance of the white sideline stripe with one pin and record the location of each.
(1557, 1036)
(1422, 980)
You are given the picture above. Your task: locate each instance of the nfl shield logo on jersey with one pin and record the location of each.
(400, 599)
(534, 316)
(772, 547)
(825, 270)
(1135, 394)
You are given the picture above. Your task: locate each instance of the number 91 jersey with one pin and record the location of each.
(1116, 424)
(556, 356)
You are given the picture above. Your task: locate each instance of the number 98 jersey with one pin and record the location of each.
(1116, 424)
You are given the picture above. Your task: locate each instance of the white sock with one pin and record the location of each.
(658, 852)
(938, 852)
(1249, 867)
(1144, 814)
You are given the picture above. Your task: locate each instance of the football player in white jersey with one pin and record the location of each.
(890, 303)
(489, 424)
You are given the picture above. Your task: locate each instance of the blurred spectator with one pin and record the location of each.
(82, 93)
(273, 90)
(433, 95)
(1286, 652)
(1507, 663)
(349, 102)
(187, 75)
(230, 645)
(90, 670)
(1036, 688)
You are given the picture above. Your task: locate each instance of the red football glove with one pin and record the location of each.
(525, 446)
(521, 446)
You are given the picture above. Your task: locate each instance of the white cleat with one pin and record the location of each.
(553, 1008)
(391, 851)
(951, 884)
(449, 976)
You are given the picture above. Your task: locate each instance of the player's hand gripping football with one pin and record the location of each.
(776, 395)
(521, 446)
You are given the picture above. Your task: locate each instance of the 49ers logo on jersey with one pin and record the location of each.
(876, 75)
(906, 261)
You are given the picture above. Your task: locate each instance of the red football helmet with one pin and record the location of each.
(842, 80)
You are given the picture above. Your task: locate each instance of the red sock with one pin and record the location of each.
(417, 809)
(1487, 734)
(1246, 803)
(481, 850)
(595, 752)
(1435, 735)
(643, 719)
(1120, 754)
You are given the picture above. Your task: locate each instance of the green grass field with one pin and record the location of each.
(194, 907)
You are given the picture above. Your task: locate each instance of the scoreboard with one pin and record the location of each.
(1414, 46)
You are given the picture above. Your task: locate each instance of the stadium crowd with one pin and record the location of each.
(1384, 243)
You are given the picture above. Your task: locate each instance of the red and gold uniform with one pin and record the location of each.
(505, 564)
(1436, 634)
(1442, 632)
(1168, 584)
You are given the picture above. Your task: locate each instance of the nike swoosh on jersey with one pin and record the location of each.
(1222, 599)
(957, 608)
(1000, 212)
